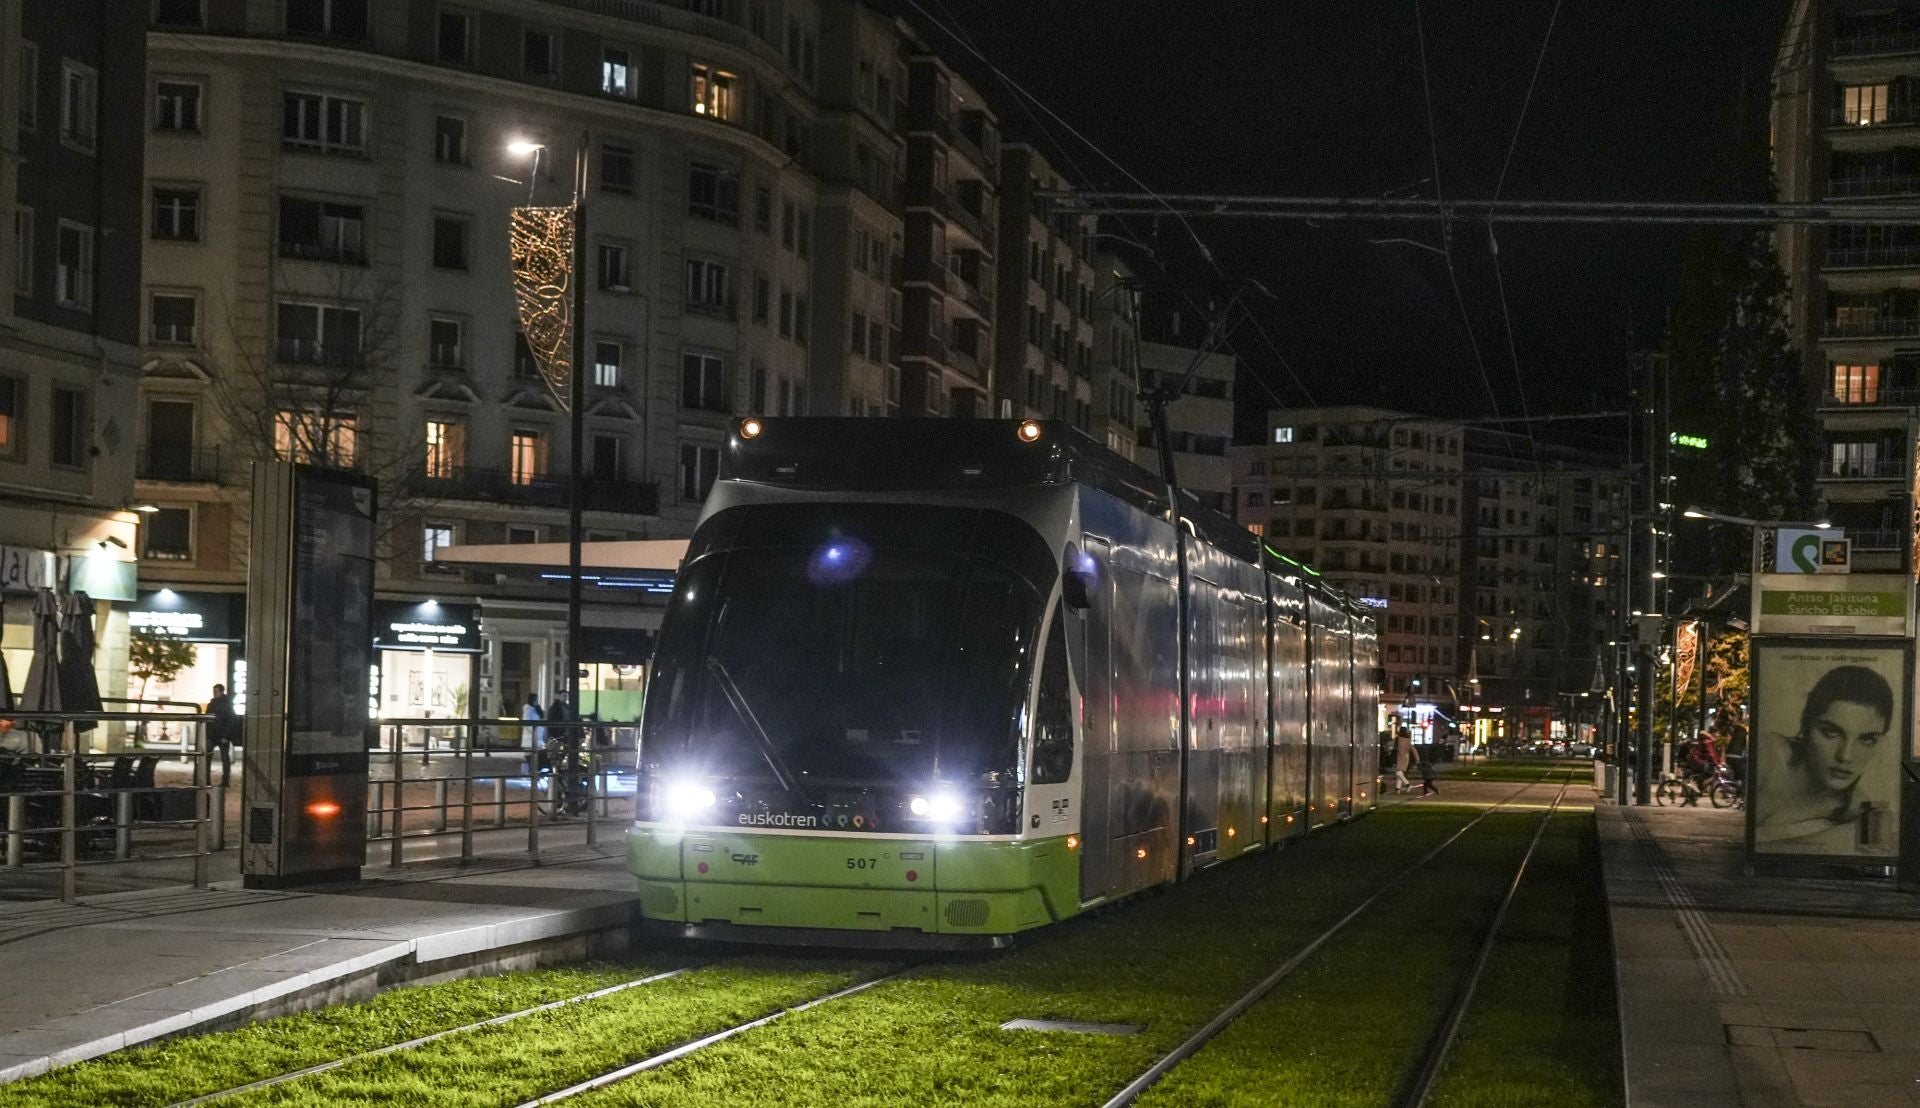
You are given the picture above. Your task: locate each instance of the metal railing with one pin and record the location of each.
(63, 776)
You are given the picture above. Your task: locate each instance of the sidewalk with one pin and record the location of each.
(1755, 991)
(124, 968)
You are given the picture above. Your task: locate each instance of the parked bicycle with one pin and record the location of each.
(572, 794)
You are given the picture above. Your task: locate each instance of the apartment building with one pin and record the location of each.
(1199, 420)
(1070, 346)
(1371, 499)
(69, 357)
(952, 222)
(327, 276)
(1846, 125)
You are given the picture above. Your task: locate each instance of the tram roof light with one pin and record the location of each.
(1029, 430)
(751, 428)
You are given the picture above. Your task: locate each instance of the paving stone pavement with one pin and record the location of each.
(124, 968)
(1760, 991)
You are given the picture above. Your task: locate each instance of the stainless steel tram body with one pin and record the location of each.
(920, 678)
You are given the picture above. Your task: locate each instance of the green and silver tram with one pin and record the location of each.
(923, 678)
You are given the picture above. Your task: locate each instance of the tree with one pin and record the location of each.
(1735, 378)
(152, 657)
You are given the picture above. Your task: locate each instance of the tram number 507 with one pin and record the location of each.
(863, 863)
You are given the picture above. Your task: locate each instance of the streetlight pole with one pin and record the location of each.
(576, 430)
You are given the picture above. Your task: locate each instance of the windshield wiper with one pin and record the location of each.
(788, 780)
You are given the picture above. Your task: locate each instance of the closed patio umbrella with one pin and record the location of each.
(79, 684)
(42, 693)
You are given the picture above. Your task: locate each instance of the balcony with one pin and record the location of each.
(546, 490)
(1873, 184)
(1873, 398)
(342, 253)
(1893, 41)
(727, 309)
(182, 465)
(1897, 115)
(664, 15)
(315, 353)
(1884, 539)
(1871, 328)
(1871, 257)
(1878, 469)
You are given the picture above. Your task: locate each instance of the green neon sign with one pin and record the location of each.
(1692, 442)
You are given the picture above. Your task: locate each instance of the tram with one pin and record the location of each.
(923, 679)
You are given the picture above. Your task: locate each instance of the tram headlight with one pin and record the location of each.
(941, 807)
(685, 798)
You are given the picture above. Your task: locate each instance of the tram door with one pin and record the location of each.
(1096, 717)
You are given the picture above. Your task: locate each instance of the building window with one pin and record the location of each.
(763, 210)
(167, 535)
(1282, 434)
(173, 316)
(315, 437)
(540, 54)
(79, 93)
(317, 334)
(707, 290)
(614, 276)
(713, 193)
(762, 298)
(176, 106)
(450, 140)
(604, 459)
(177, 13)
(616, 168)
(616, 72)
(1856, 384)
(1864, 105)
(786, 313)
(322, 230)
(446, 448)
(456, 38)
(525, 365)
(607, 357)
(445, 350)
(70, 432)
(319, 122)
(703, 382)
(330, 18)
(23, 251)
(176, 214)
(73, 268)
(713, 92)
(435, 537)
(699, 467)
(757, 388)
(13, 403)
(449, 242)
(526, 457)
(789, 220)
(800, 320)
(519, 536)
(29, 86)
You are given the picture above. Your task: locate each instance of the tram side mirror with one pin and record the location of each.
(1078, 577)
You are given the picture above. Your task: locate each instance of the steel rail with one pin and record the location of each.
(1213, 1027)
(1443, 1041)
(309, 1071)
(657, 1060)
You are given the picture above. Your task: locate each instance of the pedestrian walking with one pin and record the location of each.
(1402, 757)
(530, 712)
(224, 731)
(1426, 778)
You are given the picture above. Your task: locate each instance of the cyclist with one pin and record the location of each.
(1703, 762)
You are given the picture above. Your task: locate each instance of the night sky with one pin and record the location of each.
(1636, 101)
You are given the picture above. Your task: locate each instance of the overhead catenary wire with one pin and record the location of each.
(1391, 209)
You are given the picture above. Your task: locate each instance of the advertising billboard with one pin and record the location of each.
(1829, 725)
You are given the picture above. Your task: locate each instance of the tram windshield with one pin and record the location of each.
(850, 643)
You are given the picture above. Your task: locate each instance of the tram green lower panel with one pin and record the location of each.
(850, 882)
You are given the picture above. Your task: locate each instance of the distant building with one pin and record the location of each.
(1370, 498)
(71, 189)
(1200, 420)
(1846, 101)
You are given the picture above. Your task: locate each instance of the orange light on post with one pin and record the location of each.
(323, 809)
(1229, 832)
(1190, 840)
(1073, 842)
(1140, 853)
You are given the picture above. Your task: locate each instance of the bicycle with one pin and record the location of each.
(572, 795)
(1721, 788)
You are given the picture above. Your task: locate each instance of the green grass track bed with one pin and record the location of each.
(1351, 1025)
(1168, 964)
(1517, 770)
(180, 1069)
(1543, 1028)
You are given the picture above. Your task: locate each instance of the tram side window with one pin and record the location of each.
(1053, 719)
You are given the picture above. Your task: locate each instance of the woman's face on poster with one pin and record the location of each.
(1841, 743)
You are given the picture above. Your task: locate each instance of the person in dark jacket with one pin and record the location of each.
(1426, 778)
(224, 731)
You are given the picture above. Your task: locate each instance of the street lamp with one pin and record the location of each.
(575, 397)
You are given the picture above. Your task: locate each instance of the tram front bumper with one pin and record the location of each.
(938, 886)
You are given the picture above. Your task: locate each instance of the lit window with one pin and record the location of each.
(1283, 434)
(525, 456)
(13, 395)
(1856, 384)
(606, 364)
(437, 537)
(713, 93)
(446, 448)
(1864, 105)
(616, 72)
(315, 437)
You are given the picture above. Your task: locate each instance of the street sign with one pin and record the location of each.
(1798, 549)
(1832, 604)
(1691, 442)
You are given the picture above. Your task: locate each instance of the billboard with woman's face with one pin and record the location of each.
(1828, 732)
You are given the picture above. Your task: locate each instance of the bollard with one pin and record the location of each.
(16, 827)
(376, 816)
(69, 833)
(399, 801)
(500, 801)
(123, 824)
(219, 816)
(466, 800)
(439, 804)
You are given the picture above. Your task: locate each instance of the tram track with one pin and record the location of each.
(1136, 1088)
